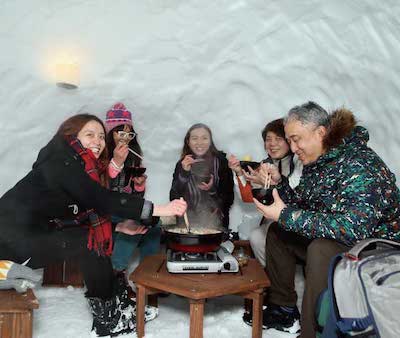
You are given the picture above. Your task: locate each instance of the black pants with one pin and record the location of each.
(283, 250)
(57, 245)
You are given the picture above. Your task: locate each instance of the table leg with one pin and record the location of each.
(152, 300)
(140, 304)
(257, 315)
(196, 318)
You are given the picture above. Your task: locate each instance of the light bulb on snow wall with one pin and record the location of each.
(67, 75)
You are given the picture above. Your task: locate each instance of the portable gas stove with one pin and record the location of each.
(208, 262)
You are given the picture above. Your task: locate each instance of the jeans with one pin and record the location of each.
(125, 245)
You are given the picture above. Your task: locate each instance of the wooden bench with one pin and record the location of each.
(16, 313)
(63, 274)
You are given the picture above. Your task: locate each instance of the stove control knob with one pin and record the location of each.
(227, 266)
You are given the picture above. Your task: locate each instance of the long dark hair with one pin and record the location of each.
(73, 125)
(131, 159)
(186, 149)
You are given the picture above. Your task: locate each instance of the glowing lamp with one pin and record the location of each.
(67, 75)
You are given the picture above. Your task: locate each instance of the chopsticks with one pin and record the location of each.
(267, 181)
(135, 153)
(185, 217)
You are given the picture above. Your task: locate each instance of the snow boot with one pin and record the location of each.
(276, 317)
(108, 319)
(121, 283)
(127, 303)
(150, 313)
(121, 292)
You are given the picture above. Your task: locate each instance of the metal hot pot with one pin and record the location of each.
(191, 242)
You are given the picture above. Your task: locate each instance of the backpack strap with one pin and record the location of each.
(330, 329)
(336, 325)
(356, 250)
(334, 309)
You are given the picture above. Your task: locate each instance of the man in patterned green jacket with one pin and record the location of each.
(346, 193)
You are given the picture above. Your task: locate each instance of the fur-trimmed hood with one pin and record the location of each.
(341, 129)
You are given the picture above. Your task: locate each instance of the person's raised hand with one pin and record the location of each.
(253, 176)
(234, 164)
(140, 180)
(120, 153)
(271, 169)
(176, 207)
(187, 162)
(207, 186)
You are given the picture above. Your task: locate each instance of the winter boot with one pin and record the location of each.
(248, 317)
(126, 302)
(121, 283)
(121, 292)
(150, 313)
(108, 320)
(281, 318)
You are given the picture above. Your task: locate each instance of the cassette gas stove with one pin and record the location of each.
(217, 261)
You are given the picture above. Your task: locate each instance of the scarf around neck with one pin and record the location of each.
(100, 229)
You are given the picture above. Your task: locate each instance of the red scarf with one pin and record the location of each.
(100, 229)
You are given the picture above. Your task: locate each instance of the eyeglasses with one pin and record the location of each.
(126, 135)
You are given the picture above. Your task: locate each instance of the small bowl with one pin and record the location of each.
(137, 171)
(201, 172)
(253, 165)
(263, 195)
(201, 179)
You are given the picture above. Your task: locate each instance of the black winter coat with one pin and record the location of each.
(56, 187)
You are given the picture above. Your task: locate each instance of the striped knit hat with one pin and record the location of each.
(118, 115)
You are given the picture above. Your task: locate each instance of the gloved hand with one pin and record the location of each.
(17, 276)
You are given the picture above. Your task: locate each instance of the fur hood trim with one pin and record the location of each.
(342, 124)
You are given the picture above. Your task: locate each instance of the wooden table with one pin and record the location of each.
(151, 277)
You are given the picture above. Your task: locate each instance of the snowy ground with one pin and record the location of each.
(63, 313)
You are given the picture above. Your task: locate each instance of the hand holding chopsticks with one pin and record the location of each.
(268, 175)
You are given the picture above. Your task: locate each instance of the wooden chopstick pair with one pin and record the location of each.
(267, 181)
(135, 153)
